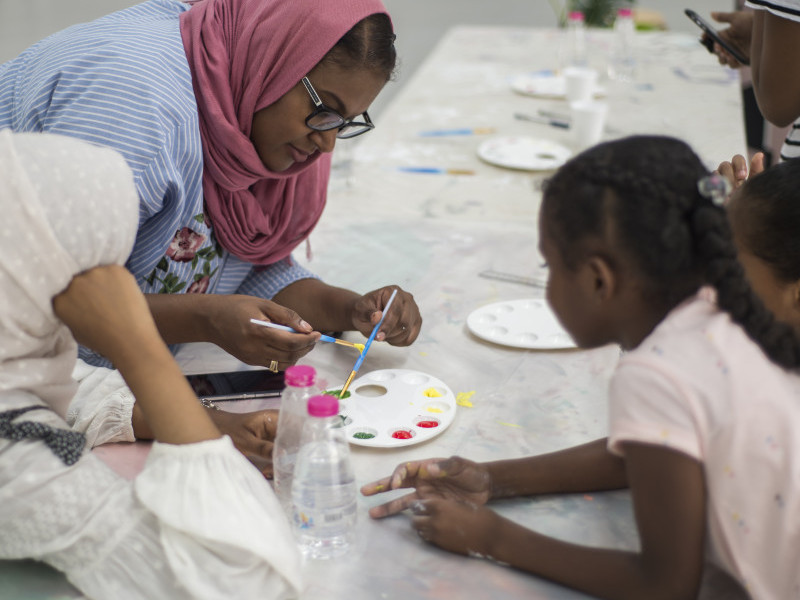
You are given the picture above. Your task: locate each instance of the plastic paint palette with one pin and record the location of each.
(396, 407)
(545, 85)
(524, 153)
(520, 324)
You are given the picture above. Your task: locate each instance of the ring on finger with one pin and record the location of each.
(273, 366)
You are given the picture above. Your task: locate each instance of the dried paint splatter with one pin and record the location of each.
(462, 398)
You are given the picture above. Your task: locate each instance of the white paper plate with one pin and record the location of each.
(397, 407)
(520, 324)
(545, 86)
(523, 152)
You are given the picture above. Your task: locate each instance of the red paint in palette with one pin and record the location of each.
(402, 434)
(428, 424)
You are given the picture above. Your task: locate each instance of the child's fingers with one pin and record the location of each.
(393, 507)
(739, 164)
(757, 164)
(376, 487)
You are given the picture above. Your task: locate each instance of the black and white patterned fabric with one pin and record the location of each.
(65, 444)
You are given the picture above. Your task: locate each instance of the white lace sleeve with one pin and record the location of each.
(102, 407)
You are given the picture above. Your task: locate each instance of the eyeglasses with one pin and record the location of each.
(323, 118)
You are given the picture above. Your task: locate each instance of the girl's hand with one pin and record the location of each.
(255, 344)
(460, 527)
(452, 478)
(403, 321)
(736, 170)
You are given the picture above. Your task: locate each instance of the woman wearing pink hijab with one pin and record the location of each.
(226, 111)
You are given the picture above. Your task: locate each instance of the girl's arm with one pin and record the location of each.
(106, 311)
(670, 505)
(586, 468)
(590, 467)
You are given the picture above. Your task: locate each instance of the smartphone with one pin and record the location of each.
(237, 385)
(713, 36)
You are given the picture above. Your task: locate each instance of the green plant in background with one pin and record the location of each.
(596, 13)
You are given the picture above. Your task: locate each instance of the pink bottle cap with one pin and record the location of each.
(576, 15)
(323, 405)
(625, 12)
(300, 376)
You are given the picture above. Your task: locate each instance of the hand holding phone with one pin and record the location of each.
(712, 36)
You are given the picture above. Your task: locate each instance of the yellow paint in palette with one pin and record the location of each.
(432, 393)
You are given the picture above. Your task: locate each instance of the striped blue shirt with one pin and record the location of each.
(124, 81)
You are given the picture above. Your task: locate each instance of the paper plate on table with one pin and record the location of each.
(524, 153)
(391, 408)
(520, 324)
(543, 85)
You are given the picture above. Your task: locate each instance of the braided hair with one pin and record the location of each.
(640, 195)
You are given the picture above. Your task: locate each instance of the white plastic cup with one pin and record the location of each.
(588, 121)
(580, 83)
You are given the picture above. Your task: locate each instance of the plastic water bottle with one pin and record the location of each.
(575, 51)
(299, 381)
(622, 65)
(324, 487)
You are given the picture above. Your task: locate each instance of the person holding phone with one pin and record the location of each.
(769, 36)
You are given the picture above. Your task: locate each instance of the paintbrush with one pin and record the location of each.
(366, 347)
(323, 337)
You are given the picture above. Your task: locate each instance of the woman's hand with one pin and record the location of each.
(255, 344)
(252, 433)
(736, 170)
(451, 478)
(402, 323)
(460, 527)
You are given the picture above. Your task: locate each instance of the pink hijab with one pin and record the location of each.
(244, 55)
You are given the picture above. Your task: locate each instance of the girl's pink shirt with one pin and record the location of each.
(700, 386)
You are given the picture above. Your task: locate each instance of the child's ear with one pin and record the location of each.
(603, 278)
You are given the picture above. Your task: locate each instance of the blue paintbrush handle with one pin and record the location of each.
(374, 332)
(271, 325)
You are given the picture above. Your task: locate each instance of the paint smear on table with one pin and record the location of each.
(462, 398)
(509, 424)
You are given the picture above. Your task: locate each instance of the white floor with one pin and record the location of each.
(418, 23)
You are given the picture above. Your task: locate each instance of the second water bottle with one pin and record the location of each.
(324, 488)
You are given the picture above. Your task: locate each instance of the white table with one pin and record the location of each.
(433, 234)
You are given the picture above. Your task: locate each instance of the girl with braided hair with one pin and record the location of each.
(703, 405)
(765, 218)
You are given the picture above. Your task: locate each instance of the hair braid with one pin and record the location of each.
(716, 250)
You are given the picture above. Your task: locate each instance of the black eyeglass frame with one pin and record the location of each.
(340, 123)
